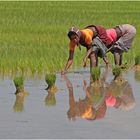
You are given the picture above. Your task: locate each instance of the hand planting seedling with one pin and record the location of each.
(20, 94)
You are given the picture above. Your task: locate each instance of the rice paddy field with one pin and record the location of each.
(33, 35)
(36, 101)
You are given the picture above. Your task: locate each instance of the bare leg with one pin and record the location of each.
(121, 57)
(93, 62)
(117, 58)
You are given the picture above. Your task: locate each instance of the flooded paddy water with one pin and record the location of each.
(34, 116)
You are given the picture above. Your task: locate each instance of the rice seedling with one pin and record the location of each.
(19, 84)
(117, 71)
(50, 99)
(125, 67)
(34, 34)
(95, 74)
(50, 80)
(137, 59)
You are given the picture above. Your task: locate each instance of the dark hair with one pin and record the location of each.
(74, 31)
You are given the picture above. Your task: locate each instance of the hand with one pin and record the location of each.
(63, 77)
(106, 62)
(84, 65)
(108, 65)
(63, 72)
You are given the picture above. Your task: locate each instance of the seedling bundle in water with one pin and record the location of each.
(50, 80)
(117, 71)
(137, 60)
(95, 74)
(19, 84)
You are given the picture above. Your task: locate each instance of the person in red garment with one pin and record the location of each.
(98, 41)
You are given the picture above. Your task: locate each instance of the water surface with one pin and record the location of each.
(36, 119)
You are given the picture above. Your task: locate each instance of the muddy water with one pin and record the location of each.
(31, 117)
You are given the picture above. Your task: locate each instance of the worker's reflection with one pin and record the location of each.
(50, 99)
(91, 107)
(137, 75)
(98, 96)
(119, 94)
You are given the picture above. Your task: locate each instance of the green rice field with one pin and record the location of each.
(33, 35)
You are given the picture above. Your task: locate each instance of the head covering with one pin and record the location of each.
(74, 30)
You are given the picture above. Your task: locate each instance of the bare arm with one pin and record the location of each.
(86, 57)
(70, 89)
(69, 62)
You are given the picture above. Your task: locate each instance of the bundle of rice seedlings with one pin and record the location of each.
(137, 60)
(19, 84)
(117, 71)
(95, 74)
(50, 80)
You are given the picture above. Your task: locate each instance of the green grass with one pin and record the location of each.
(137, 60)
(95, 74)
(33, 35)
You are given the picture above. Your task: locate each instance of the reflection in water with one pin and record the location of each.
(20, 94)
(19, 103)
(91, 107)
(120, 95)
(50, 99)
(98, 96)
(137, 73)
